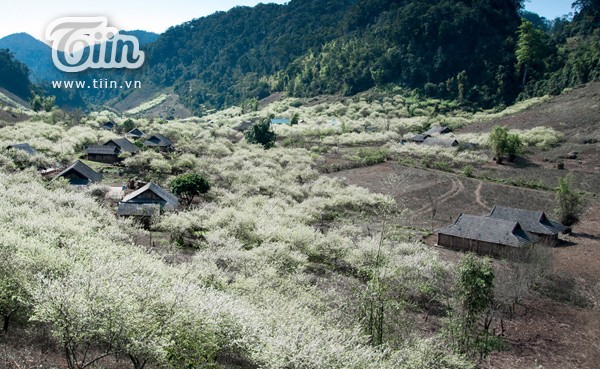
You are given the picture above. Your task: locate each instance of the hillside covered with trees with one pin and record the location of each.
(477, 53)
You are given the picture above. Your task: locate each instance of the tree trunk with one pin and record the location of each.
(137, 363)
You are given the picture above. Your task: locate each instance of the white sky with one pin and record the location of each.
(33, 16)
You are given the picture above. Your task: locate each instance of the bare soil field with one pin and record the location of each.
(548, 330)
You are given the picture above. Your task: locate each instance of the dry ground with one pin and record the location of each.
(546, 331)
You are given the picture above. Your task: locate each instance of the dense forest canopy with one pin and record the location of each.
(14, 76)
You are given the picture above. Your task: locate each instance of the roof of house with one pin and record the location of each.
(280, 121)
(531, 221)
(83, 170)
(23, 147)
(420, 138)
(437, 130)
(136, 132)
(446, 142)
(159, 191)
(486, 229)
(102, 150)
(158, 140)
(109, 126)
(124, 144)
(243, 126)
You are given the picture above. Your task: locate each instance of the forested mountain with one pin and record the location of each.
(480, 53)
(14, 75)
(452, 49)
(33, 53)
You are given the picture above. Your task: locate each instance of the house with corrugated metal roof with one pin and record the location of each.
(135, 133)
(279, 121)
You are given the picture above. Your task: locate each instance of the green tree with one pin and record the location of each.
(474, 290)
(503, 144)
(188, 186)
(531, 49)
(295, 119)
(261, 133)
(569, 202)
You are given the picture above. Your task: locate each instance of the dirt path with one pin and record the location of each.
(478, 197)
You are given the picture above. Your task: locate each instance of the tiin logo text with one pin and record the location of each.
(88, 42)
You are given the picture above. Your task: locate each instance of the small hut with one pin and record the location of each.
(147, 201)
(79, 174)
(438, 130)
(108, 126)
(159, 141)
(124, 145)
(23, 147)
(102, 154)
(135, 133)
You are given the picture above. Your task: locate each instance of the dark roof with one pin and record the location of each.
(23, 147)
(438, 130)
(136, 132)
(486, 229)
(243, 126)
(280, 121)
(124, 144)
(446, 142)
(109, 126)
(531, 221)
(102, 150)
(420, 138)
(83, 170)
(159, 191)
(158, 140)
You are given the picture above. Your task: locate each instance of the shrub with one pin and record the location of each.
(187, 186)
(569, 203)
(261, 133)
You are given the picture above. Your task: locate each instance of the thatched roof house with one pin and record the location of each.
(147, 201)
(485, 235)
(79, 174)
(124, 145)
(23, 147)
(535, 222)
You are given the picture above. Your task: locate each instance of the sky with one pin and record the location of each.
(549, 9)
(33, 16)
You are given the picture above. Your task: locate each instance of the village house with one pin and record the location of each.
(244, 126)
(438, 130)
(102, 154)
(23, 147)
(108, 126)
(124, 145)
(159, 141)
(534, 222)
(147, 201)
(80, 174)
(136, 134)
(420, 138)
(443, 142)
(485, 236)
